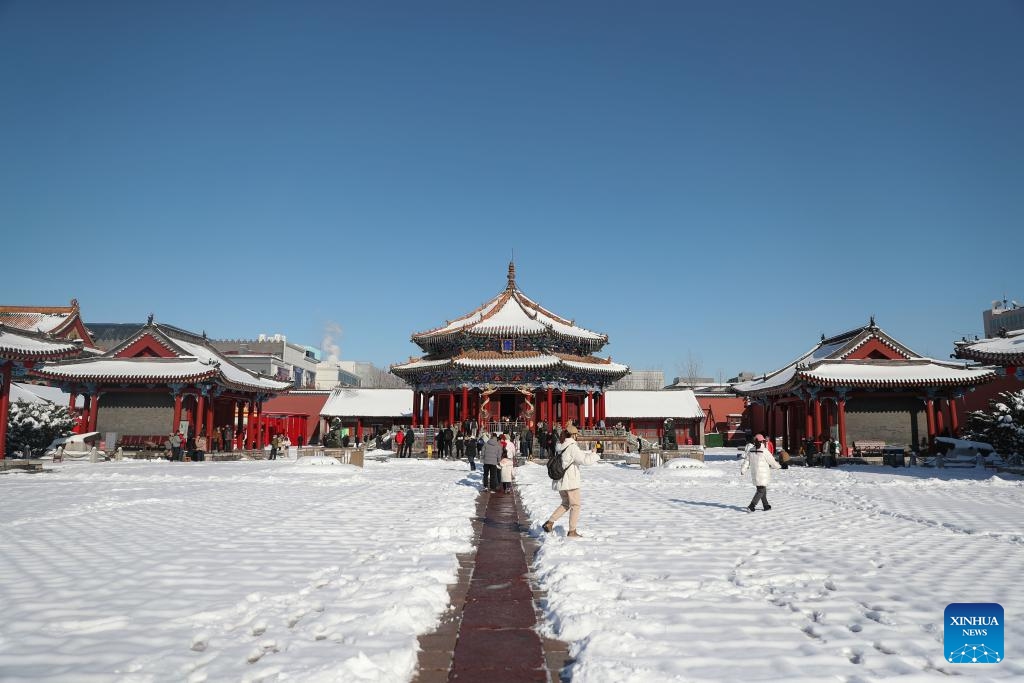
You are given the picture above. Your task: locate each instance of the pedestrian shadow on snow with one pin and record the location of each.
(709, 504)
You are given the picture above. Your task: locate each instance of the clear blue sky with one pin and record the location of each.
(721, 179)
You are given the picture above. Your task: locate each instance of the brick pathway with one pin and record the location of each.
(489, 632)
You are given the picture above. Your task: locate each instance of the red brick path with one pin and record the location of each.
(490, 629)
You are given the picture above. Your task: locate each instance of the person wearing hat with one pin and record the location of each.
(760, 463)
(568, 486)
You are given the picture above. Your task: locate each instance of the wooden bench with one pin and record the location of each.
(868, 447)
(149, 442)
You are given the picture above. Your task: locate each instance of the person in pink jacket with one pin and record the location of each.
(568, 486)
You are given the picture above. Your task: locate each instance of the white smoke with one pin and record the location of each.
(327, 347)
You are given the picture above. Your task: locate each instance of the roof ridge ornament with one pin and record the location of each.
(149, 320)
(511, 275)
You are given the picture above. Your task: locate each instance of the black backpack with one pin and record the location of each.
(556, 470)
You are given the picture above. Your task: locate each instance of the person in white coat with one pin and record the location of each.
(760, 463)
(568, 486)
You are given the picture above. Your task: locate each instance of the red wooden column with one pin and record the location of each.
(260, 439)
(71, 403)
(930, 413)
(426, 410)
(809, 426)
(94, 409)
(590, 410)
(250, 422)
(551, 408)
(563, 408)
(415, 407)
(451, 407)
(953, 420)
(200, 414)
(5, 405)
(817, 422)
(359, 429)
(771, 420)
(841, 408)
(940, 420)
(209, 424)
(465, 404)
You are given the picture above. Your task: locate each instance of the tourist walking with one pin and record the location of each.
(760, 463)
(472, 446)
(568, 486)
(275, 443)
(490, 458)
(399, 443)
(460, 445)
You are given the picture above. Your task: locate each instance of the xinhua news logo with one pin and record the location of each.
(973, 633)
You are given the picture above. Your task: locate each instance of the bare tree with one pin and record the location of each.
(691, 369)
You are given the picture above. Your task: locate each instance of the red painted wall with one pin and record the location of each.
(299, 404)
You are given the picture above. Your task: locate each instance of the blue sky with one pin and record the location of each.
(725, 180)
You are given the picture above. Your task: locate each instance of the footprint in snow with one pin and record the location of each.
(263, 648)
(259, 628)
(200, 641)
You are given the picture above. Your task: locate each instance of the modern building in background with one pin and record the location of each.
(273, 356)
(1004, 315)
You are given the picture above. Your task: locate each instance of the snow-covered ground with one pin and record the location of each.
(284, 571)
(845, 579)
(235, 571)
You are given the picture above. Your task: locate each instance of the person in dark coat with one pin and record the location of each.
(410, 438)
(526, 443)
(449, 439)
(460, 444)
(471, 451)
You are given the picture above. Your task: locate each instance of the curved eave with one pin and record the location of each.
(123, 379)
(994, 358)
(542, 362)
(916, 382)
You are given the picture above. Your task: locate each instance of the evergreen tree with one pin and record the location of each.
(36, 425)
(1002, 425)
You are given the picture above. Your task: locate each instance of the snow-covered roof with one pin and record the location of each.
(510, 314)
(1008, 350)
(38, 319)
(23, 345)
(830, 364)
(38, 393)
(916, 372)
(231, 372)
(354, 402)
(661, 404)
(129, 369)
(520, 359)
